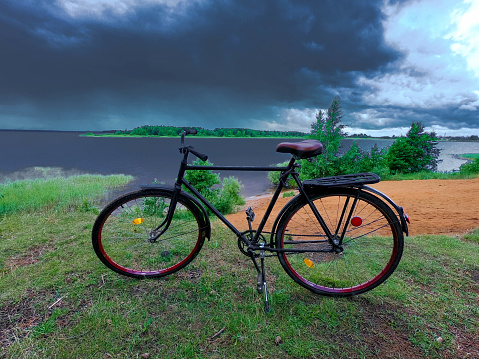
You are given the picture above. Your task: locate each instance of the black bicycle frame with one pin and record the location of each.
(290, 169)
(286, 171)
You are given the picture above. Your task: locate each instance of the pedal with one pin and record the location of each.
(249, 214)
(249, 217)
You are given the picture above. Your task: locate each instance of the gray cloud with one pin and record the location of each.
(206, 63)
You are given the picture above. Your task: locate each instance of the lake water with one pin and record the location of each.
(158, 158)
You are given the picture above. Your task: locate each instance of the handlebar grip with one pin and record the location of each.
(199, 155)
(191, 131)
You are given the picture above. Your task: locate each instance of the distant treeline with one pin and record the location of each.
(171, 131)
(363, 135)
(472, 138)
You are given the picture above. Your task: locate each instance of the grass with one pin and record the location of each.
(58, 301)
(427, 175)
(470, 156)
(55, 192)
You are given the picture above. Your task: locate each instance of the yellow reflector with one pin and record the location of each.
(309, 262)
(138, 220)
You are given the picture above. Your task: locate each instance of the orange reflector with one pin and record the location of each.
(356, 221)
(309, 262)
(138, 220)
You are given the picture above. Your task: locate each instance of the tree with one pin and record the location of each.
(329, 131)
(414, 153)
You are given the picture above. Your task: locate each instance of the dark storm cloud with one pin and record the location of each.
(235, 59)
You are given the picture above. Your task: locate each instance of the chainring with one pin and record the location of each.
(249, 234)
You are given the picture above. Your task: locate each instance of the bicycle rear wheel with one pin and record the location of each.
(121, 232)
(371, 248)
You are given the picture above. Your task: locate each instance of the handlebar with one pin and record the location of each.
(188, 131)
(197, 154)
(191, 131)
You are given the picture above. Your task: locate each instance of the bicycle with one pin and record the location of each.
(336, 237)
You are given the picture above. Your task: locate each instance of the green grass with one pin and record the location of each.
(426, 175)
(56, 192)
(473, 236)
(470, 156)
(57, 300)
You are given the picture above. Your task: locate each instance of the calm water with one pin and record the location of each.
(145, 158)
(156, 158)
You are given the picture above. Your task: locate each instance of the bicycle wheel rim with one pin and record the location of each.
(123, 236)
(372, 247)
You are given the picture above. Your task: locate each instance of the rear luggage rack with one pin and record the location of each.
(352, 180)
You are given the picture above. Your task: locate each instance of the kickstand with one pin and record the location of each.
(261, 285)
(265, 287)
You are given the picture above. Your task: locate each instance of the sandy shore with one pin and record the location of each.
(434, 206)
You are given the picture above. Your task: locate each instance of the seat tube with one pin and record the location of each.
(315, 211)
(348, 220)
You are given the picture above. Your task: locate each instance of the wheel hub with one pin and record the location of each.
(337, 248)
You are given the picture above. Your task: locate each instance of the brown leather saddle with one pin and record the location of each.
(303, 149)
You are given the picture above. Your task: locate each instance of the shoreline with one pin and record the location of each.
(192, 136)
(86, 133)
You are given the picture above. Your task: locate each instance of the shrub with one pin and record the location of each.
(470, 167)
(414, 153)
(224, 198)
(273, 176)
(288, 194)
(204, 180)
(229, 196)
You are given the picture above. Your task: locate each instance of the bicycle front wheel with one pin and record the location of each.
(121, 234)
(370, 251)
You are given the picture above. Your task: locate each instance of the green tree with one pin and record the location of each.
(328, 128)
(329, 131)
(414, 153)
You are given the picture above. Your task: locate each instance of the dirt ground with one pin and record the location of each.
(433, 206)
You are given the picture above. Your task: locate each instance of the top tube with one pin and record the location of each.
(237, 168)
(224, 168)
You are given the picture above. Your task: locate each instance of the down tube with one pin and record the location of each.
(211, 207)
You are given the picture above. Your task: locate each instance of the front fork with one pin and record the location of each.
(158, 231)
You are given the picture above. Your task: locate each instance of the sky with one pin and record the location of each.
(95, 65)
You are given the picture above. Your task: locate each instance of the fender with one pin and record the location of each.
(206, 225)
(400, 211)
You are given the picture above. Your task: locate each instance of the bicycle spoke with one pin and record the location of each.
(124, 242)
(366, 256)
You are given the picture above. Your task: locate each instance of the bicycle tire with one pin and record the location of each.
(372, 246)
(120, 234)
